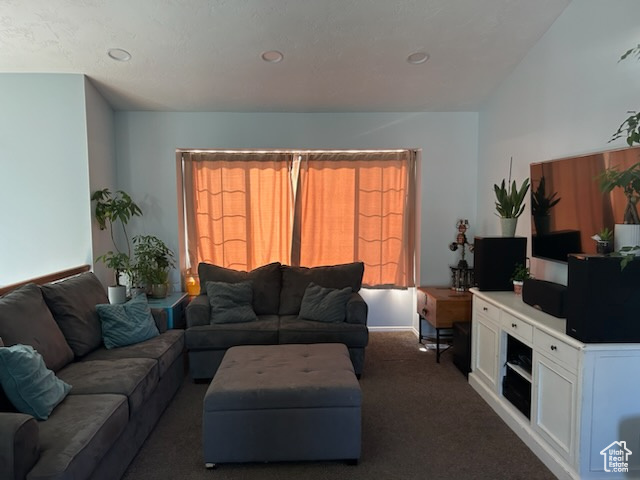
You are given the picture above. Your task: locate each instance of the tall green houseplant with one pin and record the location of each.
(112, 209)
(510, 203)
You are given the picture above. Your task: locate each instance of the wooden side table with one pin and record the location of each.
(444, 306)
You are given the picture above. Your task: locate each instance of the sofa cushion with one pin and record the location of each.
(164, 348)
(77, 435)
(136, 378)
(324, 304)
(297, 330)
(263, 331)
(127, 323)
(30, 386)
(73, 304)
(230, 302)
(266, 283)
(25, 319)
(296, 279)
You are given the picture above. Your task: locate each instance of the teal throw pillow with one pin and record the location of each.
(325, 304)
(127, 323)
(230, 302)
(28, 384)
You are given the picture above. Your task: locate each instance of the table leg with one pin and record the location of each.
(437, 345)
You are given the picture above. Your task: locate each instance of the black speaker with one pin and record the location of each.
(495, 259)
(546, 296)
(603, 301)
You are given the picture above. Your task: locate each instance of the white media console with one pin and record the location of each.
(575, 405)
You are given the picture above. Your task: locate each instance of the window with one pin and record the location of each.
(309, 208)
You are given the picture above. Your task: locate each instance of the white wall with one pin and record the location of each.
(566, 97)
(102, 167)
(146, 144)
(44, 187)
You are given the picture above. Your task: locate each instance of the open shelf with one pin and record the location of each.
(520, 371)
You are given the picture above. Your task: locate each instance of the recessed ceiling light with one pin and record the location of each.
(119, 54)
(417, 58)
(272, 56)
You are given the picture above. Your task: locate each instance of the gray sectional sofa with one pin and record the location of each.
(278, 292)
(116, 395)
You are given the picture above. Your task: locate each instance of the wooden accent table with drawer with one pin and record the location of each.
(444, 307)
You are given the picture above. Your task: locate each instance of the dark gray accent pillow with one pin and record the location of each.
(296, 279)
(230, 302)
(73, 304)
(324, 304)
(266, 283)
(25, 318)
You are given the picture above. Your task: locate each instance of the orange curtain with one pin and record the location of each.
(359, 206)
(238, 208)
(247, 209)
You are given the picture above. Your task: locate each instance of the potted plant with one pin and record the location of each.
(510, 203)
(628, 233)
(604, 241)
(112, 208)
(153, 262)
(541, 205)
(520, 274)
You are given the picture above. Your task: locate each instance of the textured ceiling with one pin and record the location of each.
(339, 55)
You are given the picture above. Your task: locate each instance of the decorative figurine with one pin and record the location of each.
(461, 275)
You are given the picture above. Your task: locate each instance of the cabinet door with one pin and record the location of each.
(554, 404)
(486, 337)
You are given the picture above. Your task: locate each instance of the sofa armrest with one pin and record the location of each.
(357, 309)
(197, 311)
(19, 444)
(160, 317)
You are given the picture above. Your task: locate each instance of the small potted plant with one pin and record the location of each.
(510, 203)
(541, 205)
(112, 208)
(520, 274)
(604, 241)
(153, 262)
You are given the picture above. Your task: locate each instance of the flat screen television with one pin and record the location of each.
(582, 209)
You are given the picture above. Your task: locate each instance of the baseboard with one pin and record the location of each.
(393, 329)
(521, 427)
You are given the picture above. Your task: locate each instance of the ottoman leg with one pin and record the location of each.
(210, 466)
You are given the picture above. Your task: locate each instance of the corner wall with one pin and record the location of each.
(566, 97)
(44, 179)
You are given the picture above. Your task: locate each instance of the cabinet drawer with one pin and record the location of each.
(556, 349)
(515, 326)
(487, 309)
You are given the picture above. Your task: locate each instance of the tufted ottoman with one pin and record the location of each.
(282, 403)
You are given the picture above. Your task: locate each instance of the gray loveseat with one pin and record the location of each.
(278, 292)
(116, 395)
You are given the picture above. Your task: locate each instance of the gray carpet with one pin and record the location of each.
(420, 420)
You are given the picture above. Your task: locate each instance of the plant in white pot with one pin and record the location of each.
(626, 235)
(153, 262)
(510, 203)
(112, 208)
(520, 274)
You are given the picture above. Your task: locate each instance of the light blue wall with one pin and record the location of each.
(146, 144)
(566, 97)
(44, 188)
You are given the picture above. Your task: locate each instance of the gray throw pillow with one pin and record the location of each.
(266, 281)
(25, 319)
(73, 304)
(230, 302)
(296, 279)
(325, 304)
